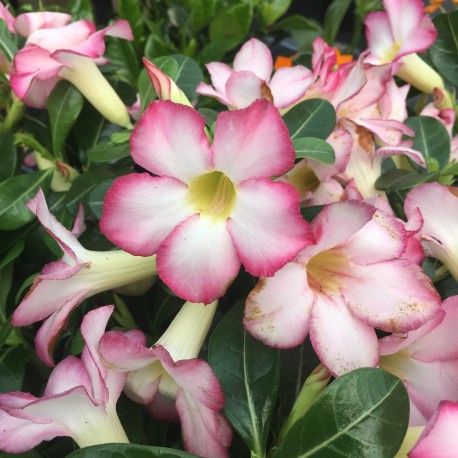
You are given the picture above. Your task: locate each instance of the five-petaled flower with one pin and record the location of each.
(210, 208)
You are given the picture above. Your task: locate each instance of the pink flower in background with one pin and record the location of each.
(211, 208)
(68, 51)
(350, 281)
(64, 284)
(79, 400)
(251, 78)
(170, 380)
(426, 360)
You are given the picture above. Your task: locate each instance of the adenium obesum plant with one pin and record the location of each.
(54, 50)
(170, 380)
(208, 202)
(79, 274)
(79, 400)
(350, 280)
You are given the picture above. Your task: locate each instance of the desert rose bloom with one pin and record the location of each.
(72, 52)
(79, 400)
(251, 78)
(64, 284)
(438, 205)
(429, 353)
(350, 281)
(170, 380)
(439, 438)
(210, 208)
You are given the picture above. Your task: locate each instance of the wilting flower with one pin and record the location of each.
(210, 208)
(79, 400)
(170, 380)
(439, 438)
(438, 205)
(423, 355)
(64, 284)
(251, 78)
(68, 51)
(338, 289)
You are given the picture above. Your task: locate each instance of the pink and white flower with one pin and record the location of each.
(439, 438)
(251, 78)
(79, 400)
(211, 208)
(68, 51)
(350, 281)
(64, 284)
(438, 205)
(170, 380)
(423, 355)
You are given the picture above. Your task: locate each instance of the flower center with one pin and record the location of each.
(324, 271)
(212, 195)
(390, 53)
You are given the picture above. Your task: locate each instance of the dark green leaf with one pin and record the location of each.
(12, 368)
(303, 31)
(97, 196)
(309, 213)
(232, 25)
(127, 451)
(124, 59)
(444, 51)
(362, 413)
(311, 118)
(31, 142)
(249, 375)
(314, 148)
(90, 128)
(333, 18)
(12, 254)
(271, 10)
(8, 44)
(146, 90)
(6, 278)
(81, 9)
(200, 14)
(64, 106)
(107, 152)
(431, 138)
(399, 179)
(209, 115)
(132, 11)
(15, 193)
(7, 156)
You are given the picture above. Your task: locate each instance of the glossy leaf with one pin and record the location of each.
(314, 148)
(15, 193)
(97, 196)
(431, 138)
(107, 152)
(132, 11)
(128, 451)
(303, 31)
(81, 9)
(333, 18)
(8, 44)
(444, 51)
(400, 179)
(64, 106)
(271, 10)
(31, 142)
(362, 413)
(12, 368)
(311, 118)
(249, 375)
(146, 90)
(124, 59)
(7, 156)
(200, 14)
(12, 254)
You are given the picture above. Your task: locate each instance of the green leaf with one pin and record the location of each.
(132, 11)
(81, 9)
(209, 116)
(31, 142)
(97, 196)
(8, 156)
(146, 90)
(107, 152)
(444, 51)
(314, 148)
(271, 10)
(431, 138)
(249, 374)
(200, 14)
(333, 18)
(128, 451)
(303, 31)
(12, 368)
(362, 413)
(64, 106)
(120, 137)
(311, 118)
(8, 44)
(15, 193)
(399, 179)
(124, 59)
(13, 253)
(231, 25)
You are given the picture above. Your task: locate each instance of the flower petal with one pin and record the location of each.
(266, 226)
(252, 143)
(243, 88)
(254, 56)
(277, 310)
(341, 341)
(198, 260)
(288, 85)
(170, 140)
(140, 211)
(27, 23)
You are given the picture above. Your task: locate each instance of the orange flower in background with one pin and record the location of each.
(434, 5)
(342, 58)
(283, 61)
